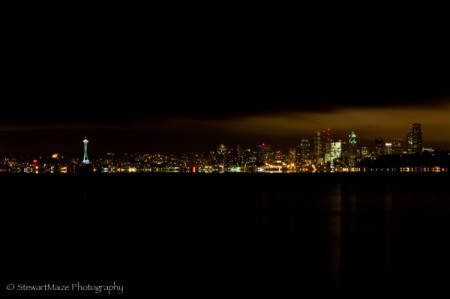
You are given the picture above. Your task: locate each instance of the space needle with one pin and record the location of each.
(85, 156)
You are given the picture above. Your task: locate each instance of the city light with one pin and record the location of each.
(320, 155)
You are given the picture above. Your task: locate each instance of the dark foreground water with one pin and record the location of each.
(236, 235)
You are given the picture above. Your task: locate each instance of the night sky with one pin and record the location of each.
(151, 84)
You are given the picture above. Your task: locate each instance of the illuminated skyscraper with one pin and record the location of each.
(85, 155)
(304, 150)
(239, 155)
(397, 146)
(333, 152)
(318, 150)
(409, 139)
(322, 142)
(264, 151)
(222, 155)
(352, 149)
(388, 148)
(292, 155)
(379, 147)
(416, 138)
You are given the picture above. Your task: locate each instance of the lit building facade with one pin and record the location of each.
(416, 138)
(352, 149)
(379, 147)
(397, 146)
(304, 151)
(318, 149)
(388, 148)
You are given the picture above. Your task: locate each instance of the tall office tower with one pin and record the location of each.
(416, 138)
(318, 150)
(388, 148)
(239, 155)
(335, 150)
(264, 151)
(304, 151)
(352, 149)
(379, 147)
(326, 144)
(409, 139)
(222, 155)
(292, 155)
(250, 157)
(397, 146)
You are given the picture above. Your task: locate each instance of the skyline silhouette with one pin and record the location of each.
(181, 85)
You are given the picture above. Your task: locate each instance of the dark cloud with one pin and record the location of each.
(123, 70)
(177, 81)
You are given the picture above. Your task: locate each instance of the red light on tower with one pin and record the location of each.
(35, 161)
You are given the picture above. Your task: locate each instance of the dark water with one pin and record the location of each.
(230, 234)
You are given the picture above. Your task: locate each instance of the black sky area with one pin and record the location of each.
(123, 75)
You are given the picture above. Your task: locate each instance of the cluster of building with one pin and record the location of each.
(347, 155)
(322, 154)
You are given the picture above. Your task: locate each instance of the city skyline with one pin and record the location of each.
(323, 154)
(287, 140)
(200, 149)
(189, 86)
(412, 144)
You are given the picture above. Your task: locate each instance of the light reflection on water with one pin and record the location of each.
(335, 236)
(368, 234)
(335, 230)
